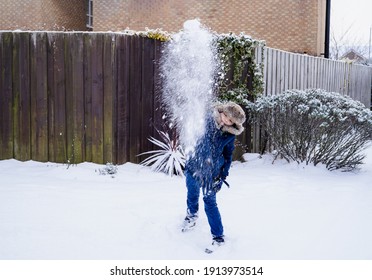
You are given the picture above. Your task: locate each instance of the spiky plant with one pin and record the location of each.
(169, 159)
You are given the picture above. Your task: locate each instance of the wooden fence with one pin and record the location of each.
(73, 96)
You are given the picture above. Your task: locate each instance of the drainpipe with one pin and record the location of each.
(327, 28)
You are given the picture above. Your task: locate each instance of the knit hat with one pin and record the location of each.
(235, 113)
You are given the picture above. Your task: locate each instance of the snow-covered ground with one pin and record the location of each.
(272, 211)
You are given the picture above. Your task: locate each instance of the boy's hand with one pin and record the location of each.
(217, 184)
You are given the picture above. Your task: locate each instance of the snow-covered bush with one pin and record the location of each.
(169, 159)
(109, 169)
(315, 126)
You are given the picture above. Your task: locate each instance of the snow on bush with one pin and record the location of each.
(109, 169)
(314, 126)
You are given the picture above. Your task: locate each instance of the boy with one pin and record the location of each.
(209, 166)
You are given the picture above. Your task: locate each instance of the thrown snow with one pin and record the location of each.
(188, 67)
(272, 211)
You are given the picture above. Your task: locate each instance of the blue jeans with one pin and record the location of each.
(194, 185)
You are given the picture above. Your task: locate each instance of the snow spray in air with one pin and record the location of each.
(188, 67)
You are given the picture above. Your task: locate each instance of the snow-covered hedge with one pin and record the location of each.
(315, 126)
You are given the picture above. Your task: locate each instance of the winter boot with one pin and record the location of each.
(216, 243)
(189, 222)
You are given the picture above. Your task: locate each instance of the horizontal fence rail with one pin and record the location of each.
(71, 97)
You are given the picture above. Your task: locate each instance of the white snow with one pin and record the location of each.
(272, 211)
(188, 69)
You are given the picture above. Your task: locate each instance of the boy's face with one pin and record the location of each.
(225, 120)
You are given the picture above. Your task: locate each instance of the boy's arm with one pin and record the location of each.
(227, 154)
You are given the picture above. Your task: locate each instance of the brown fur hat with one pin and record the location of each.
(235, 113)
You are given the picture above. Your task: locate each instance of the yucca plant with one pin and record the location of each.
(169, 159)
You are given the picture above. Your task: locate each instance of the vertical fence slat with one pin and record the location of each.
(344, 78)
(21, 90)
(309, 73)
(122, 100)
(286, 71)
(148, 94)
(303, 72)
(275, 79)
(109, 93)
(282, 72)
(265, 74)
(158, 110)
(298, 71)
(88, 41)
(74, 97)
(56, 98)
(135, 98)
(6, 95)
(291, 71)
(97, 98)
(39, 97)
(337, 77)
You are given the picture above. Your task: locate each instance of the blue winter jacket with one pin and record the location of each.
(213, 155)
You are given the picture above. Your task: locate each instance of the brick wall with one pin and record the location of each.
(43, 15)
(292, 25)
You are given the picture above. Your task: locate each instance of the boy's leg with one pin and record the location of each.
(193, 192)
(213, 214)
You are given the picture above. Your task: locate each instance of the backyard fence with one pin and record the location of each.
(284, 70)
(73, 96)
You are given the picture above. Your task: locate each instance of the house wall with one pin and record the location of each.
(291, 25)
(43, 15)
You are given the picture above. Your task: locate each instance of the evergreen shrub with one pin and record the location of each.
(314, 126)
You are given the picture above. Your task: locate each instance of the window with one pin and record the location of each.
(90, 14)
